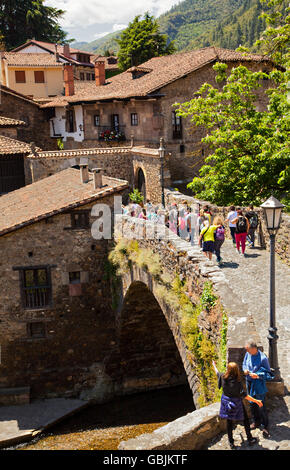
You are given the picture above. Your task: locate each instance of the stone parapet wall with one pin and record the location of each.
(190, 432)
(282, 239)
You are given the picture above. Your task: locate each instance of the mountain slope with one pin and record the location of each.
(199, 23)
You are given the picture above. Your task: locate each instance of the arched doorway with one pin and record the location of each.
(149, 356)
(141, 182)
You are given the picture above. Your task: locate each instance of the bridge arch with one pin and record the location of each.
(152, 351)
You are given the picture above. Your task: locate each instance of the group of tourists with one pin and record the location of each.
(256, 370)
(199, 224)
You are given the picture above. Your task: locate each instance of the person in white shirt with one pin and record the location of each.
(231, 216)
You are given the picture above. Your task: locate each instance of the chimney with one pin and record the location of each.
(66, 50)
(68, 75)
(100, 73)
(56, 54)
(84, 173)
(98, 178)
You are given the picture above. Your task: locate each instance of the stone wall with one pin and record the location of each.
(37, 125)
(282, 239)
(75, 354)
(190, 432)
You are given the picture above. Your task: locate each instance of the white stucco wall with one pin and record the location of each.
(60, 120)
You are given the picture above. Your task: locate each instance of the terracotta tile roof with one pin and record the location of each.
(79, 152)
(164, 70)
(93, 151)
(9, 122)
(49, 46)
(108, 66)
(19, 59)
(50, 196)
(10, 146)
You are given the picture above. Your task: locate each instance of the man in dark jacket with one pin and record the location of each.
(253, 219)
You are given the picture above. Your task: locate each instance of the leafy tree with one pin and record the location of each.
(250, 149)
(275, 39)
(27, 19)
(141, 41)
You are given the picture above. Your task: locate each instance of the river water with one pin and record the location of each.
(103, 427)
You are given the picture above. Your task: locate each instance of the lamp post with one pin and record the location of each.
(161, 151)
(272, 210)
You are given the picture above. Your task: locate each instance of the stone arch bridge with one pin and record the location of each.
(151, 324)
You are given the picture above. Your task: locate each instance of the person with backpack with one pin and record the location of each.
(253, 219)
(206, 239)
(257, 370)
(232, 407)
(219, 237)
(242, 229)
(231, 216)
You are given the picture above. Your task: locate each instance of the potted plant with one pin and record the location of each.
(136, 196)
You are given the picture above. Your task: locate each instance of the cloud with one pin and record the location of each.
(116, 12)
(118, 27)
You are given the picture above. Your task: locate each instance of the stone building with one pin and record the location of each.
(56, 320)
(140, 166)
(35, 125)
(140, 103)
(12, 156)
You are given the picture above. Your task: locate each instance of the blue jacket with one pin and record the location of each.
(258, 387)
(253, 363)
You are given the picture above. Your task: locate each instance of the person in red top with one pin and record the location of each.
(242, 229)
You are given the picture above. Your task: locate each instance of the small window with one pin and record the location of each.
(20, 76)
(36, 330)
(80, 219)
(39, 76)
(82, 76)
(182, 148)
(176, 126)
(75, 277)
(134, 119)
(93, 76)
(97, 120)
(88, 76)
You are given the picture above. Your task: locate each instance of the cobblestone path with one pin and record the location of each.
(249, 279)
(279, 427)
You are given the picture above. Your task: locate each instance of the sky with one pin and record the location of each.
(88, 20)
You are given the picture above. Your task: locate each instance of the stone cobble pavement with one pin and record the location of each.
(279, 428)
(249, 279)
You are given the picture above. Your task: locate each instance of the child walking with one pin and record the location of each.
(232, 407)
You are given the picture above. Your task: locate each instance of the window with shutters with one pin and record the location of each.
(39, 76)
(80, 219)
(70, 121)
(20, 76)
(134, 119)
(35, 285)
(36, 330)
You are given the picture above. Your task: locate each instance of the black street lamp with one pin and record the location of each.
(272, 210)
(161, 151)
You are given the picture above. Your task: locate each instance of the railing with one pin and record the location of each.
(36, 297)
(112, 133)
